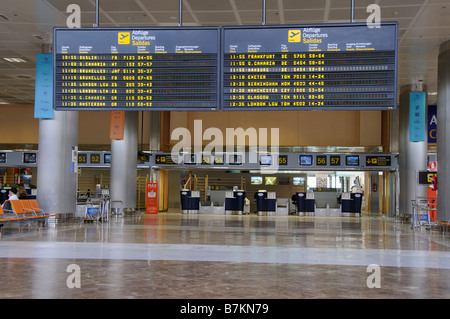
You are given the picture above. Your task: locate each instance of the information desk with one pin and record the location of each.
(136, 69)
(332, 66)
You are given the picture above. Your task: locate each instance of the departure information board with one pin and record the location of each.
(341, 66)
(136, 69)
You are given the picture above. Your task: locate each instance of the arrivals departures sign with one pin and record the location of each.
(136, 69)
(339, 67)
(287, 67)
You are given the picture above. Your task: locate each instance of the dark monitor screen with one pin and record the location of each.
(352, 160)
(306, 160)
(29, 158)
(107, 158)
(256, 180)
(265, 160)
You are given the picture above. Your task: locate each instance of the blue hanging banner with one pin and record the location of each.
(43, 95)
(417, 114)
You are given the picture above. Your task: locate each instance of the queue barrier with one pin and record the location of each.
(23, 212)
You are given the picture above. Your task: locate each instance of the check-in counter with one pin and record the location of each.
(351, 204)
(234, 202)
(306, 204)
(190, 201)
(266, 203)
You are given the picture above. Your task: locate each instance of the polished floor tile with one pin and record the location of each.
(171, 255)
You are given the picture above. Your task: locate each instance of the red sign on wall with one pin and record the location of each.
(432, 166)
(151, 198)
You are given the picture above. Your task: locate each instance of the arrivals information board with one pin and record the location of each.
(136, 69)
(345, 67)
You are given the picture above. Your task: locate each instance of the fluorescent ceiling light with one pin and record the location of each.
(15, 60)
(432, 93)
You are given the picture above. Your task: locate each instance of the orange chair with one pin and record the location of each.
(39, 211)
(35, 206)
(29, 218)
(26, 206)
(4, 220)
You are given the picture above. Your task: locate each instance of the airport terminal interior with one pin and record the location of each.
(224, 149)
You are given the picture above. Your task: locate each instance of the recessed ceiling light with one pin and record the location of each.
(15, 60)
(1, 102)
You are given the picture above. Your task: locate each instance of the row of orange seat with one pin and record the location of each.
(23, 212)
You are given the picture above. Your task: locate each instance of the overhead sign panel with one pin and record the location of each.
(136, 69)
(337, 66)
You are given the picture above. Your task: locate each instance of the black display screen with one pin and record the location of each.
(352, 160)
(136, 69)
(347, 66)
(306, 160)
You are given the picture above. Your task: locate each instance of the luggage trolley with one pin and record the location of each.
(98, 209)
(92, 211)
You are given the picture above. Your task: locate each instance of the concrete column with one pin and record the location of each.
(443, 133)
(56, 183)
(412, 157)
(124, 166)
(155, 131)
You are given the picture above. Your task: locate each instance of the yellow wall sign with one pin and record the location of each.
(123, 38)
(295, 36)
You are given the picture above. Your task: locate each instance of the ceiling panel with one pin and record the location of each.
(295, 4)
(119, 6)
(256, 5)
(210, 5)
(61, 5)
(218, 17)
(130, 17)
(303, 15)
(160, 5)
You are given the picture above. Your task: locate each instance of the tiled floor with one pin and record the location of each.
(171, 255)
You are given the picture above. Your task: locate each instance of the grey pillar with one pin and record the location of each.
(155, 131)
(443, 133)
(412, 157)
(56, 183)
(124, 166)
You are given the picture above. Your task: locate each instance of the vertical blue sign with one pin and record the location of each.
(432, 123)
(417, 113)
(43, 95)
